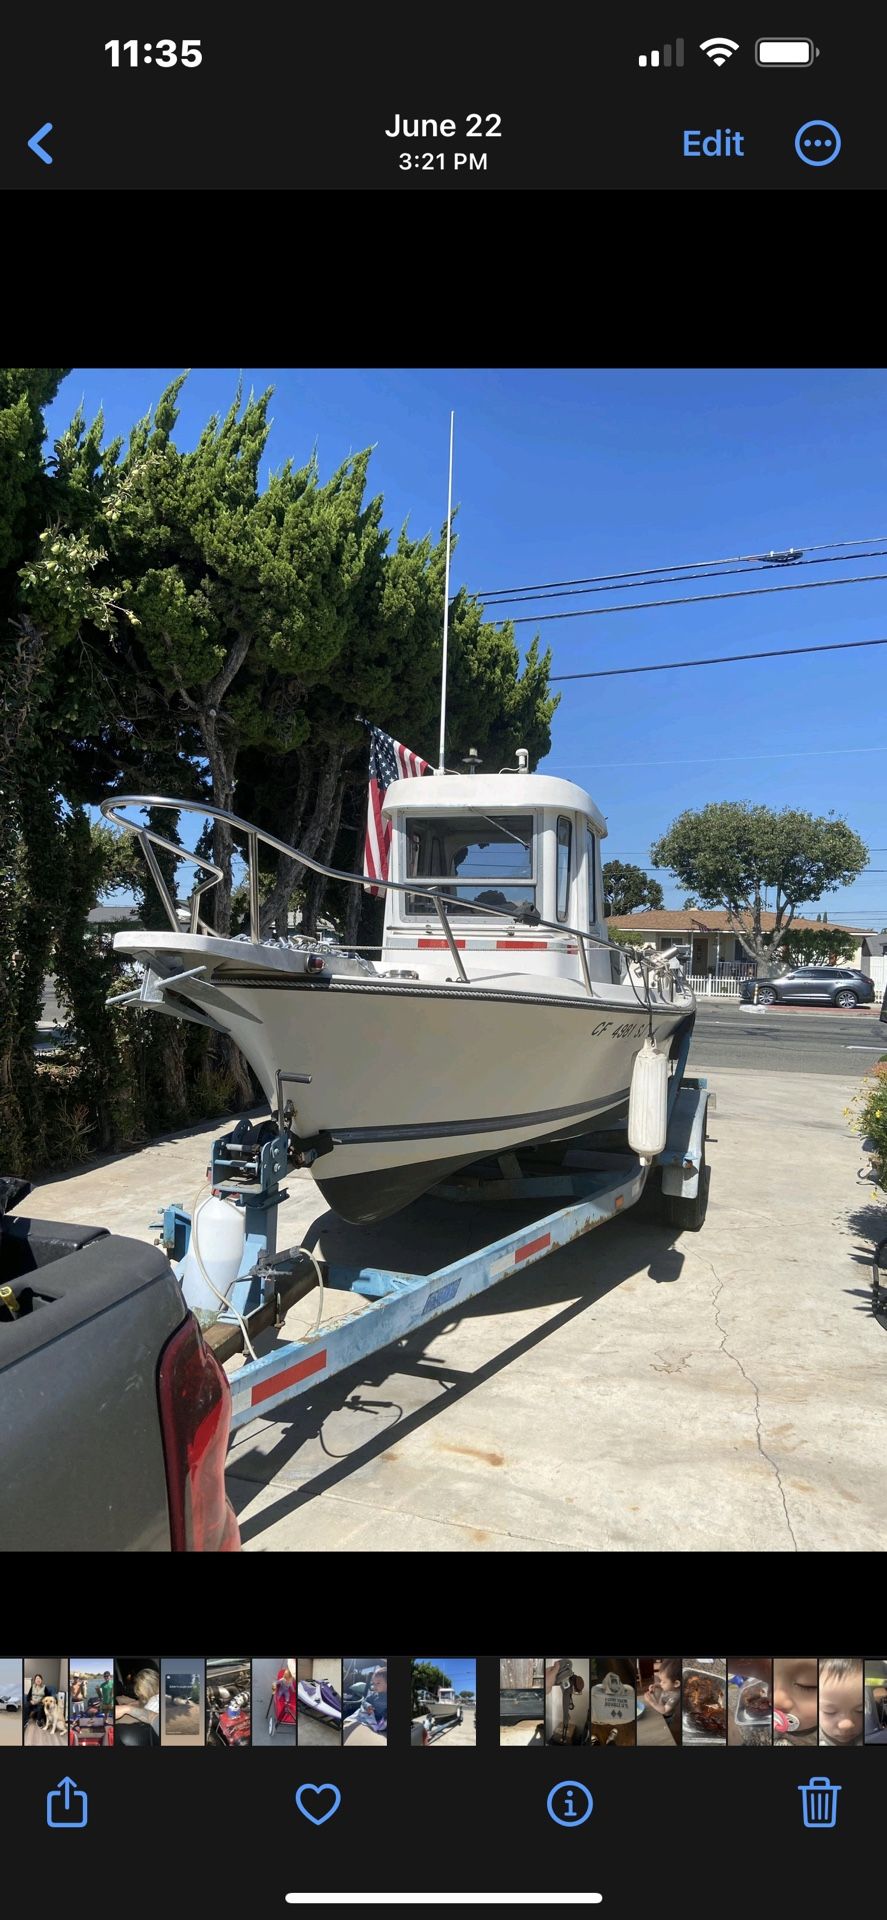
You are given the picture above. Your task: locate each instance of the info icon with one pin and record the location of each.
(569, 1803)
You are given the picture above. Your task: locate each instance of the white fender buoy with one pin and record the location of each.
(648, 1102)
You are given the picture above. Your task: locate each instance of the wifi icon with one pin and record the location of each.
(719, 49)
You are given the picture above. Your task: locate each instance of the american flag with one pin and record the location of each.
(388, 761)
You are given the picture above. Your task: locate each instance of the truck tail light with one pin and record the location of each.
(195, 1417)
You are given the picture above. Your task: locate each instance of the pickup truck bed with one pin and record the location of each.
(85, 1318)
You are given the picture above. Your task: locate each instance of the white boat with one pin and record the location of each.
(497, 1016)
(444, 1705)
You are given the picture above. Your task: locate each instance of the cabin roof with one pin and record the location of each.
(490, 793)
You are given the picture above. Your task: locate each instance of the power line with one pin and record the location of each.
(719, 659)
(719, 759)
(692, 600)
(665, 869)
(728, 560)
(721, 573)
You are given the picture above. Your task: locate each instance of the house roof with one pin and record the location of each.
(714, 920)
(100, 916)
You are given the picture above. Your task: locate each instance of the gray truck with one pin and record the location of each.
(114, 1413)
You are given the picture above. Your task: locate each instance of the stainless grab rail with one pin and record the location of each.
(149, 838)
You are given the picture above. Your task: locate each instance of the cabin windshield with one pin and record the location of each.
(487, 858)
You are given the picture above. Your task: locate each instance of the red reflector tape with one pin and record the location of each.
(522, 946)
(532, 1246)
(439, 943)
(288, 1378)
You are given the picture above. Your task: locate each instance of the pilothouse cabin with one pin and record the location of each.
(526, 845)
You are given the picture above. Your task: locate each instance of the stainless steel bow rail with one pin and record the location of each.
(363, 1310)
(148, 838)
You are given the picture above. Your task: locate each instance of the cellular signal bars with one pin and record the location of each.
(654, 60)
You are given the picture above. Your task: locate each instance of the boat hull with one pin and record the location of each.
(396, 1084)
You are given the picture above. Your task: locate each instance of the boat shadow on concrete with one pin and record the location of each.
(425, 1237)
(434, 1232)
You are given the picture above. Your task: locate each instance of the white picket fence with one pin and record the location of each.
(715, 986)
(877, 967)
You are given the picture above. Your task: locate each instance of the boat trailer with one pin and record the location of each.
(592, 1185)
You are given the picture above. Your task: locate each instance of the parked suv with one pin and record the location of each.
(827, 986)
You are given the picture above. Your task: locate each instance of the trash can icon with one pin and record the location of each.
(820, 1803)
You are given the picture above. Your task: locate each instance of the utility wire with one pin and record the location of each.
(720, 660)
(663, 869)
(716, 759)
(692, 600)
(661, 580)
(729, 560)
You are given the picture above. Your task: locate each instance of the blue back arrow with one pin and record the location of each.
(34, 143)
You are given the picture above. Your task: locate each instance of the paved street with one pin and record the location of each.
(786, 1039)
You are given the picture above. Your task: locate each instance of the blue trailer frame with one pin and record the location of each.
(596, 1186)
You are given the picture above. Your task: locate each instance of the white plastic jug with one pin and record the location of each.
(648, 1102)
(220, 1229)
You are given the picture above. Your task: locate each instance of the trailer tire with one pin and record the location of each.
(688, 1215)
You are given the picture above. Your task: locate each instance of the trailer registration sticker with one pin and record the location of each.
(440, 1298)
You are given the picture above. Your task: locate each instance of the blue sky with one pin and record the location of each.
(572, 472)
(461, 1671)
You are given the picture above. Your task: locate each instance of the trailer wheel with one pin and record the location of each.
(688, 1214)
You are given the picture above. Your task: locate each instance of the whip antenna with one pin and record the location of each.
(443, 688)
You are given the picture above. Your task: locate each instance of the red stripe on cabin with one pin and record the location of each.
(438, 943)
(522, 946)
(532, 1246)
(288, 1378)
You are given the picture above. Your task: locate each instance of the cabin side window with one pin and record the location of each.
(564, 845)
(590, 861)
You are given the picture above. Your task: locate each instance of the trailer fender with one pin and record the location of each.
(684, 1148)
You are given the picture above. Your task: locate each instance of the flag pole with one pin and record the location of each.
(443, 689)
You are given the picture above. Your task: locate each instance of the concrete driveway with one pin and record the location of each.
(522, 1733)
(458, 1734)
(315, 1733)
(641, 1390)
(638, 1391)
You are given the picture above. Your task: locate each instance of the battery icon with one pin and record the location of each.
(785, 53)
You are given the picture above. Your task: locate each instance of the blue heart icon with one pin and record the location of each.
(317, 1819)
